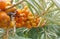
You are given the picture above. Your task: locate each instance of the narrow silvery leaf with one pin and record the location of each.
(42, 36)
(57, 2)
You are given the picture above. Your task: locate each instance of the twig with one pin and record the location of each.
(14, 5)
(11, 1)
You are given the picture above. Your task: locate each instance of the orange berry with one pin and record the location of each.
(12, 24)
(19, 11)
(4, 19)
(3, 5)
(29, 26)
(18, 25)
(26, 7)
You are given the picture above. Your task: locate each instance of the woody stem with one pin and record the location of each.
(15, 4)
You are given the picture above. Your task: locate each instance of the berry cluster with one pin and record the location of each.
(24, 18)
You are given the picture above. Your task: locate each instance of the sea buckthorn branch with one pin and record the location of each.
(44, 13)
